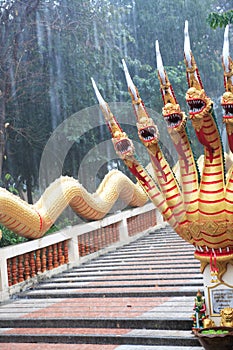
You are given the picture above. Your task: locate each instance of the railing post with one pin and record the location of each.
(73, 251)
(3, 279)
(159, 218)
(123, 229)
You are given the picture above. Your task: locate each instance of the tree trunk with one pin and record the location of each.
(2, 130)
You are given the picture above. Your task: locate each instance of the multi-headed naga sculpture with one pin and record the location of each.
(199, 207)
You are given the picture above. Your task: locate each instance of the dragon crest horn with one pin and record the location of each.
(193, 76)
(227, 62)
(138, 104)
(109, 117)
(165, 86)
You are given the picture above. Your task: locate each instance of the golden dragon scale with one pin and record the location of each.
(33, 221)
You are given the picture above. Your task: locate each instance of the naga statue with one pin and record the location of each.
(200, 206)
(197, 203)
(33, 221)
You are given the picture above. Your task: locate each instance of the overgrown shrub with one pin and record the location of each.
(10, 238)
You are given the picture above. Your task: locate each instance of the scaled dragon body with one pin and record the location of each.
(202, 212)
(199, 206)
(33, 221)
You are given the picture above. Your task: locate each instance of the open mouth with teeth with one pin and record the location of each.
(196, 105)
(173, 120)
(123, 147)
(228, 108)
(148, 133)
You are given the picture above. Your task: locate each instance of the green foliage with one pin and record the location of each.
(10, 238)
(214, 331)
(9, 183)
(215, 19)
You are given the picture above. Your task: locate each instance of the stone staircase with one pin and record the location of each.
(139, 297)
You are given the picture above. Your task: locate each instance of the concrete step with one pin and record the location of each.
(121, 277)
(123, 323)
(150, 252)
(131, 271)
(135, 283)
(139, 297)
(151, 347)
(188, 267)
(119, 293)
(35, 346)
(76, 336)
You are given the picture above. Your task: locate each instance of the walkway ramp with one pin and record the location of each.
(139, 297)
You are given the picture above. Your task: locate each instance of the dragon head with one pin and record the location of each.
(198, 103)
(174, 117)
(123, 145)
(227, 104)
(147, 131)
(227, 98)
(196, 98)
